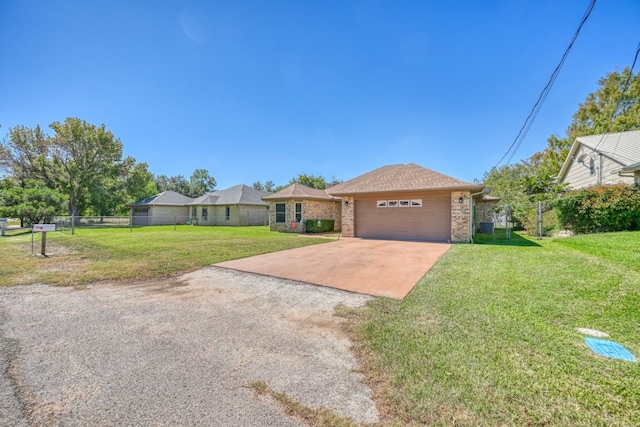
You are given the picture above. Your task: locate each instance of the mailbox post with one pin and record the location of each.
(42, 228)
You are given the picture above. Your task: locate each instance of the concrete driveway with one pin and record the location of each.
(372, 267)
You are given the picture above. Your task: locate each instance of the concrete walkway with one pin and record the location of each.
(372, 267)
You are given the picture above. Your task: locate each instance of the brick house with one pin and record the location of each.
(408, 202)
(291, 206)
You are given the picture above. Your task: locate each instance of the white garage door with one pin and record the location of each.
(424, 216)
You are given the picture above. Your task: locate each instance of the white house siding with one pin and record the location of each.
(579, 174)
(166, 215)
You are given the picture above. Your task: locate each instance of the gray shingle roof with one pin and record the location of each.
(166, 198)
(301, 192)
(623, 147)
(395, 178)
(236, 195)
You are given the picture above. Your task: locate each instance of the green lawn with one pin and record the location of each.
(488, 337)
(142, 253)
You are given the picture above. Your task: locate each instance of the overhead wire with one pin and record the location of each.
(626, 85)
(522, 133)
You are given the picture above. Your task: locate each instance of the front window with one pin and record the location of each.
(194, 212)
(280, 213)
(298, 212)
(205, 213)
(227, 213)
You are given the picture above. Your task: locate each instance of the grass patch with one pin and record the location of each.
(488, 337)
(320, 417)
(142, 253)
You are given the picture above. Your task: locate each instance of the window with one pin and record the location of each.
(298, 212)
(280, 213)
(592, 167)
(194, 212)
(205, 214)
(227, 213)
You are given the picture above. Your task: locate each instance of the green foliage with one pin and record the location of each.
(269, 186)
(601, 208)
(33, 203)
(80, 160)
(318, 225)
(312, 181)
(613, 107)
(199, 184)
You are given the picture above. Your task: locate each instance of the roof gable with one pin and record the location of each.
(394, 178)
(236, 195)
(301, 192)
(622, 147)
(166, 198)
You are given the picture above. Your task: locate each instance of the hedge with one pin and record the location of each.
(601, 208)
(318, 225)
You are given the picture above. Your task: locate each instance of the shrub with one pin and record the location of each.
(600, 209)
(318, 225)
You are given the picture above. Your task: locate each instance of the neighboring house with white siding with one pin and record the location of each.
(602, 159)
(165, 208)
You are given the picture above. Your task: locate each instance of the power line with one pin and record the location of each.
(513, 148)
(627, 83)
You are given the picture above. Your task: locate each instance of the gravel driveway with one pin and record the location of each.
(179, 352)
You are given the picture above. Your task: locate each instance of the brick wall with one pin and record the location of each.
(311, 209)
(461, 217)
(348, 217)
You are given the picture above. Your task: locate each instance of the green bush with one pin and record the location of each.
(600, 209)
(318, 225)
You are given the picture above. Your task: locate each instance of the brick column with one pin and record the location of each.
(348, 217)
(460, 217)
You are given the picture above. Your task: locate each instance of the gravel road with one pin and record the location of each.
(179, 352)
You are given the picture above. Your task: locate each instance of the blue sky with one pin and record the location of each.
(266, 90)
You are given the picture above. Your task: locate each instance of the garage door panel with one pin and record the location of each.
(431, 221)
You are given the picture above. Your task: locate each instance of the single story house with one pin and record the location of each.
(602, 159)
(291, 206)
(165, 208)
(238, 205)
(408, 202)
(633, 170)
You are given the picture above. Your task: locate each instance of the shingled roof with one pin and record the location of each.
(236, 195)
(166, 198)
(301, 192)
(395, 178)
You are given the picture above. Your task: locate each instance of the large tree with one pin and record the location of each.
(613, 107)
(80, 160)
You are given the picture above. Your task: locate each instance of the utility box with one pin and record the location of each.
(3, 226)
(486, 227)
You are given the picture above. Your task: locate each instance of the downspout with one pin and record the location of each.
(600, 170)
(472, 219)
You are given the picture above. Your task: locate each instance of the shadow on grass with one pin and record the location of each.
(16, 232)
(499, 238)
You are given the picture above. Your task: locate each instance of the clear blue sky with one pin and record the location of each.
(265, 90)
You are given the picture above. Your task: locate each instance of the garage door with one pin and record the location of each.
(425, 216)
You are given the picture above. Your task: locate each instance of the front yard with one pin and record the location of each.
(488, 337)
(124, 254)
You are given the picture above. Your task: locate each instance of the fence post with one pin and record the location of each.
(540, 231)
(508, 222)
(73, 225)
